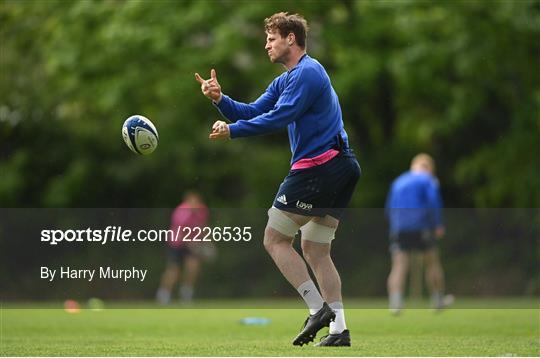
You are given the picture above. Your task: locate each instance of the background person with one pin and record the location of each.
(192, 212)
(413, 207)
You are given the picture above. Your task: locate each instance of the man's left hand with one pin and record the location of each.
(220, 130)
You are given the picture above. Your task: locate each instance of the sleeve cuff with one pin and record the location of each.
(221, 102)
(223, 106)
(233, 130)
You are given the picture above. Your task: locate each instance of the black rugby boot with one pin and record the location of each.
(313, 324)
(342, 339)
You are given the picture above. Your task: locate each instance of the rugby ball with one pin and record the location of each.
(140, 135)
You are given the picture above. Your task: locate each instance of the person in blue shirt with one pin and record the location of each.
(323, 174)
(413, 207)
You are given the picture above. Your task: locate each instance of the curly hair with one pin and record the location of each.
(285, 24)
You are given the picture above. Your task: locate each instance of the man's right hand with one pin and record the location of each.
(440, 232)
(210, 88)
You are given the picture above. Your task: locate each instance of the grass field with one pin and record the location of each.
(217, 332)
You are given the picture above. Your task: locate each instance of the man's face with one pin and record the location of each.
(277, 47)
(423, 166)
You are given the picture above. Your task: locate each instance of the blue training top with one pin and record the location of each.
(414, 203)
(301, 99)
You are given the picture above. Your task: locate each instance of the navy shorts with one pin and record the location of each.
(177, 256)
(321, 190)
(413, 240)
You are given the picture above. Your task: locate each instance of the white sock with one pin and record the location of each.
(308, 291)
(186, 292)
(437, 300)
(163, 296)
(338, 325)
(395, 301)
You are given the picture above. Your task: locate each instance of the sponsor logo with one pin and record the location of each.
(305, 293)
(282, 199)
(304, 206)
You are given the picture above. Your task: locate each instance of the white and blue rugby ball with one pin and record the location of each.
(140, 135)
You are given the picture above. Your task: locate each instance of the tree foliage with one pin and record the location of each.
(455, 79)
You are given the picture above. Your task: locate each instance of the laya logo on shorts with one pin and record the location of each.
(304, 206)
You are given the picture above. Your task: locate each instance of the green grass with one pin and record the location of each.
(217, 332)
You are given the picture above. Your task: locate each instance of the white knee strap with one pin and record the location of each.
(315, 232)
(280, 222)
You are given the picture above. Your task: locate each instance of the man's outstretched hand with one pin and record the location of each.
(440, 232)
(210, 88)
(220, 130)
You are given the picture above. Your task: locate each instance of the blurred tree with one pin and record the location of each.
(456, 79)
